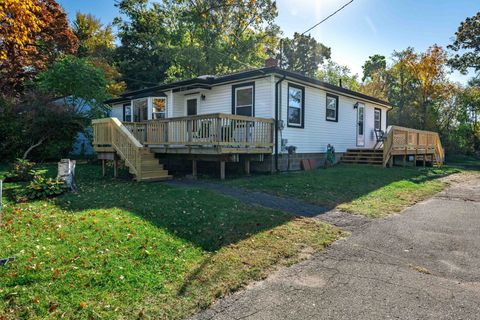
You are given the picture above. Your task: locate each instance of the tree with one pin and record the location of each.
(97, 45)
(94, 40)
(37, 126)
(79, 83)
(469, 119)
(333, 72)
(374, 65)
(181, 39)
(303, 54)
(33, 33)
(401, 85)
(467, 45)
(430, 70)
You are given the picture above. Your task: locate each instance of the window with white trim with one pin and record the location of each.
(127, 112)
(140, 109)
(295, 106)
(159, 108)
(378, 119)
(332, 108)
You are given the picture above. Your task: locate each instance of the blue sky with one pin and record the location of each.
(363, 28)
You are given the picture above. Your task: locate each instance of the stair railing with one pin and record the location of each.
(111, 132)
(408, 141)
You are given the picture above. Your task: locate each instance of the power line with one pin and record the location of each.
(328, 17)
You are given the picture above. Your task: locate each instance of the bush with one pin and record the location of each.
(40, 187)
(22, 170)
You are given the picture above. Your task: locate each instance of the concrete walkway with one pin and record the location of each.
(421, 264)
(293, 206)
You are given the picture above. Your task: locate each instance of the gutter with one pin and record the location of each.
(277, 105)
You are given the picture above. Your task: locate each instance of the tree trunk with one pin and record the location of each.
(33, 146)
(66, 173)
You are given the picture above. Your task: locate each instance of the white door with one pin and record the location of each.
(361, 125)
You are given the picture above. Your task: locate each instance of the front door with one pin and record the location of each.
(192, 105)
(361, 125)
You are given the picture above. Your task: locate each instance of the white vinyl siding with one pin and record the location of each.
(117, 111)
(319, 132)
(219, 99)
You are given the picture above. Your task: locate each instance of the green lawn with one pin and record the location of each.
(120, 249)
(369, 190)
(463, 160)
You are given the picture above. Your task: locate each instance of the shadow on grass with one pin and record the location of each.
(202, 217)
(340, 184)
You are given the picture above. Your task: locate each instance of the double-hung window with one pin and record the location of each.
(332, 108)
(243, 99)
(296, 106)
(378, 119)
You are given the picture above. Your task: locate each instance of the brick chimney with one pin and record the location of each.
(271, 62)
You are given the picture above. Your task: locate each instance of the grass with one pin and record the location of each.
(120, 249)
(463, 160)
(368, 190)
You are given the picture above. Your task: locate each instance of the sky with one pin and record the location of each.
(362, 29)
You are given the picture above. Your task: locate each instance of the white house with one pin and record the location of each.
(192, 119)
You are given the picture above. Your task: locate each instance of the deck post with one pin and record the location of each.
(247, 167)
(424, 157)
(404, 160)
(194, 169)
(103, 167)
(222, 170)
(115, 167)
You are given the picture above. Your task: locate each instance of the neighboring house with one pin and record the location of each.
(82, 145)
(305, 113)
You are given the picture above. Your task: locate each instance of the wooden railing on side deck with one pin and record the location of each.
(407, 141)
(206, 130)
(111, 132)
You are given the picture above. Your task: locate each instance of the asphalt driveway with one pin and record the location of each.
(421, 264)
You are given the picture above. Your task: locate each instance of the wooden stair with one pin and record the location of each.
(151, 170)
(363, 156)
(111, 136)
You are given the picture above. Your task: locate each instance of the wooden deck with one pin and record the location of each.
(203, 135)
(420, 144)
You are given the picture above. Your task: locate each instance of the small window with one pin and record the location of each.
(192, 107)
(378, 119)
(127, 112)
(296, 105)
(332, 108)
(243, 99)
(159, 106)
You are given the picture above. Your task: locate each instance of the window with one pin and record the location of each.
(243, 99)
(378, 119)
(127, 112)
(332, 108)
(140, 110)
(295, 106)
(159, 105)
(192, 106)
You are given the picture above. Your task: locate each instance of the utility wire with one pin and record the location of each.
(328, 17)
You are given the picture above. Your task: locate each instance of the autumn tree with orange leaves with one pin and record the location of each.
(32, 34)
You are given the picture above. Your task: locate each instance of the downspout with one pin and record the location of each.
(277, 106)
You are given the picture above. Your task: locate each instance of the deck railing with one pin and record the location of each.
(407, 141)
(217, 129)
(111, 133)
